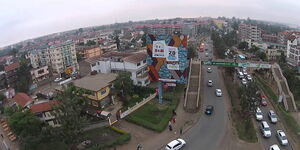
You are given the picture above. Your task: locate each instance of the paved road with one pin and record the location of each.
(210, 131)
(267, 142)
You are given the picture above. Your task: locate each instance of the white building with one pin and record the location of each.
(293, 51)
(248, 31)
(113, 62)
(59, 57)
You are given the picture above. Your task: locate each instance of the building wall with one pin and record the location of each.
(39, 74)
(92, 52)
(103, 93)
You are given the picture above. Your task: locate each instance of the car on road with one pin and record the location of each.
(241, 75)
(206, 54)
(274, 147)
(272, 116)
(244, 81)
(265, 129)
(209, 109)
(281, 137)
(210, 83)
(263, 101)
(218, 92)
(176, 144)
(209, 70)
(57, 79)
(249, 78)
(258, 114)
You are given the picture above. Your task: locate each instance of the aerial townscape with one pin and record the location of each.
(191, 83)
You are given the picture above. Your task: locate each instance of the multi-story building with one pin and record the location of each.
(39, 74)
(284, 36)
(11, 74)
(98, 87)
(89, 51)
(59, 57)
(248, 31)
(113, 62)
(269, 38)
(293, 51)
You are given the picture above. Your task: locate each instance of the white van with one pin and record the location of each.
(241, 75)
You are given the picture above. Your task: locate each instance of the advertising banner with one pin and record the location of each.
(172, 65)
(159, 49)
(171, 53)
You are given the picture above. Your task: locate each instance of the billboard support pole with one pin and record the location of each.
(160, 92)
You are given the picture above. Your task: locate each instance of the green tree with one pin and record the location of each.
(123, 84)
(254, 49)
(24, 76)
(261, 55)
(191, 51)
(144, 40)
(117, 41)
(90, 42)
(25, 124)
(249, 97)
(243, 45)
(69, 114)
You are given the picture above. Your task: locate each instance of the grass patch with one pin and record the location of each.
(266, 88)
(54, 145)
(155, 116)
(246, 130)
(244, 127)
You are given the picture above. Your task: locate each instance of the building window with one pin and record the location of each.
(144, 61)
(103, 92)
(98, 63)
(138, 64)
(93, 65)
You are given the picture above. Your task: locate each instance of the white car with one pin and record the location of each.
(272, 116)
(218, 92)
(258, 114)
(210, 83)
(244, 81)
(281, 137)
(57, 79)
(209, 70)
(176, 144)
(274, 147)
(249, 78)
(265, 129)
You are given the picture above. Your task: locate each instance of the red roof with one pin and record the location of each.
(43, 107)
(22, 99)
(12, 66)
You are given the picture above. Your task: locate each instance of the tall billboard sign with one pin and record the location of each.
(167, 58)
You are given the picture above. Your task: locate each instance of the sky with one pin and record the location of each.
(24, 19)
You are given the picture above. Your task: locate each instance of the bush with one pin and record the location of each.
(118, 130)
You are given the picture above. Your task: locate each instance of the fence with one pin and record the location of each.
(137, 106)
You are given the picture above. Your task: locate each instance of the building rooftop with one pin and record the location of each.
(95, 82)
(43, 107)
(12, 66)
(136, 58)
(22, 99)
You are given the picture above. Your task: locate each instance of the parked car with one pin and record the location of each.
(218, 92)
(281, 137)
(258, 114)
(176, 144)
(57, 79)
(209, 109)
(210, 83)
(272, 116)
(206, 54)
(264, 101)
(209, 70)
(241, 75)
(249, 78)
(274, 147)
(244, 81)
(265, 129)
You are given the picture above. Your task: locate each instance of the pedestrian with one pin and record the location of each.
(174, 119)
(2, 135)
(180, 130)
(139, 147)
(170, 123)
(174, 112)
(170, 127)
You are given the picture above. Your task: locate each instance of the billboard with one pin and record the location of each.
(173, 64)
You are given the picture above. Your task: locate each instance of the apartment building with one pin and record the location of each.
(284, 36)
(272, 38)
(133, 62)
(293, 51)
(249, 32)
(89, 51)
(11, 74)
(59, 57)
(39, 74)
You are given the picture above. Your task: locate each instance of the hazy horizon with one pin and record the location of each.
(22, 20)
